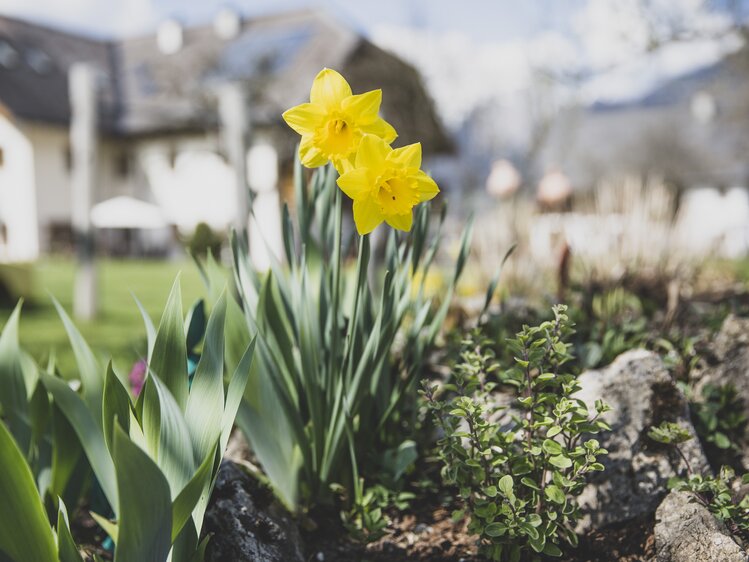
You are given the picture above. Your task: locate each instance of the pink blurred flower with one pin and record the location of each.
(137, 376)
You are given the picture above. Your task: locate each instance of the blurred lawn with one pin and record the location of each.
(118, 328)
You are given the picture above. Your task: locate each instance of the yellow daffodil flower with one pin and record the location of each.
(333, 122)
(386, 184)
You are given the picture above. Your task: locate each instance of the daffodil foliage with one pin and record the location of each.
(154, 459)
(340, 343)
(336, 126)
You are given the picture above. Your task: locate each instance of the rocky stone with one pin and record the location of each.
(685, 531)
(727, 362)
(247, 523)
(641, 393)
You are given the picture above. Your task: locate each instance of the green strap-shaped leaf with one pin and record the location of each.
(25, 533)
(169, 360)
(66, 549)
(110, 527)
(205, 405)
(66, 452)
(89, 434)
(195, 322)
(145, 519)
(188, 498)
(492, 287)
(167, 434)
(89, 370)
(13, 392)
(115, 405)
(234, 393)
(150, 330)
(236, 334)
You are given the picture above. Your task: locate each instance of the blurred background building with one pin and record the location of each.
(547, 100)
(162, 161)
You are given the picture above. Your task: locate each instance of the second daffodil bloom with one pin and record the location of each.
(333, 122)
(385, 184)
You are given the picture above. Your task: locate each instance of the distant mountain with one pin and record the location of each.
(693, 130)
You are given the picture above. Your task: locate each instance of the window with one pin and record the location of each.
(8, 55)
(122, 165)
(39, 61)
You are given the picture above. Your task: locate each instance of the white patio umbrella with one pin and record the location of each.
(127, 212)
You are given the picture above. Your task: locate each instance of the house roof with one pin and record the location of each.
(144, 91)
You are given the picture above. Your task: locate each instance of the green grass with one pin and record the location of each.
(118, 330)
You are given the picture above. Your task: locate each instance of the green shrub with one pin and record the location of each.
(204, 241)
(719, 420)
(616, 323)
(518, 482)
(721, 494)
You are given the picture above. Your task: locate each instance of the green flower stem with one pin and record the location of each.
(362, 263)
(336, 293)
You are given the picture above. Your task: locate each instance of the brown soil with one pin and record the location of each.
(632, 541)
(429, 534)
(88, 535)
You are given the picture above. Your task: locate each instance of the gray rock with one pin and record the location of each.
(642, 394)
(246, 522)
(728, 363)
(685, 531)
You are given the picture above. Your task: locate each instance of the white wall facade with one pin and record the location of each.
(183, 174)
(19, 241)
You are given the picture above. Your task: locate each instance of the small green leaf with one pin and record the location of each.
(555, 494)
(553, 431)
(505, 485)
(530, 483)
(552, 447)
(721, 440)
(495, 529)
(560, 461)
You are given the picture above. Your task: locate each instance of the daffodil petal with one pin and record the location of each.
(363, 107)
(380, 128)
(343, 165)
(355, 183)
(408, 156)
(372, 152)
(426, 187)
(305, 118)
(401, 222)
(367, 215)
(309, 154)
(329, 89)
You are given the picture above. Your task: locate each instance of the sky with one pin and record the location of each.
(485, 20)
(470, 52)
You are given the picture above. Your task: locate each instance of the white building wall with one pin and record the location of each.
(182, 173)
(51, 178)
(17, 195)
